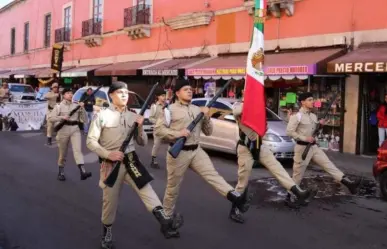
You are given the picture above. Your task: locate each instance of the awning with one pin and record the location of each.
(7, 74)
(48, 72)
(286, 65)
(225, 67)
(81, 71)
(171, 67)
(3, 72)
(27, 73)
(123, 68)
(368, 58)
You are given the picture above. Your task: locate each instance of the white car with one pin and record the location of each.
(135, 102)
(225, 134)
(21, 92)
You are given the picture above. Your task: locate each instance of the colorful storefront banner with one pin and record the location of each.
(269, 70)
(28, 116)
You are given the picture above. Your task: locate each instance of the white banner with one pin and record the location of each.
(28, 116)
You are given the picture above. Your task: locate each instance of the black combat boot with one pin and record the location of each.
(350, 184)
(84, 174)
(241, 201)
(49, 141)
(61, 176)
(303, 196)
(107, 237)
(236, 215)
(169, 225)
(154, 163)
(291, 201)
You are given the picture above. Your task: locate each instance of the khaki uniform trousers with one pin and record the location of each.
(198, 161)
(63, 137)
(50, 125)
(318, 157)
(111, 195)
(156, 144)
(267, 159)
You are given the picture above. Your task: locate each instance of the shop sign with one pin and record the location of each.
(215, 71)
(357, 67)
(156, 72)
(291, 70)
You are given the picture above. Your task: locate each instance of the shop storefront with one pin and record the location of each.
(366, 87)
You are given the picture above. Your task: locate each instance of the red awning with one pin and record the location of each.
(368, 58)
(171, 67)
(48, 72)
(81, 71)
(123, 68)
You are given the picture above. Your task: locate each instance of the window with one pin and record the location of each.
(21, 89)
(199, 103)
(13, 40)
(26, 36)
(271, 116)
(97, 10)
(219, 110)
(47, 30)
(67, 18)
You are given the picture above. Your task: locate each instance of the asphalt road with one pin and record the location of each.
(39, 212)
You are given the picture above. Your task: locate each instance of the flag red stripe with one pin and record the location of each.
(254, 106)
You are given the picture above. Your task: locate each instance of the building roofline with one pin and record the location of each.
(10, 5)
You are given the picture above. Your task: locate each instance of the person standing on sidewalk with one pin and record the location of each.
(53, 97)
(382, 120)
(157, 111)
(89, 107)
(108, 130)
(250, 149)
(301, 128)
(182, 113)
(69, 132)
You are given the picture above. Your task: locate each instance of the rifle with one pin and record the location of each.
(306, 151)
(62, 122)
(174, 151)
(112, 177)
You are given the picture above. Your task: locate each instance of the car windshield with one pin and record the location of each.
(100, 97)
(270, 116)
(21, 89)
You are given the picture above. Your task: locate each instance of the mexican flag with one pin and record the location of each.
(254, 110)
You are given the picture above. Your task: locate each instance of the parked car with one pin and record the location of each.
(21, 92)
(225, 134)
(380, 169)
(101, 97)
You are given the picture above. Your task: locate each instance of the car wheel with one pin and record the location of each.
(383, 185)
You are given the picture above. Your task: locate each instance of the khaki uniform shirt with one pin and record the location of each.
(63, 109)
(108, 130)
(237, 112)
(4, 95)
(181, 116)
(157, 111)
(302, 125)
(51, 99)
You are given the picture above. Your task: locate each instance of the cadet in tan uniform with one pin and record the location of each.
(69, 132)
(250, 149)
(182, 113)
(107, 132)
(53, 97)
(157, 111)
(301, 127)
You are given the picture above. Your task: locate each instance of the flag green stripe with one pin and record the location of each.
(259, 25)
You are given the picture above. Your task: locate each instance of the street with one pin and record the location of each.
(39, 212)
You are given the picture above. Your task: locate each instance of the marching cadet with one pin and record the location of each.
(182, 113)
(301, 128)
(251, 149)
(107, 132)
(69, 132)
(157, 111)
(53, 97)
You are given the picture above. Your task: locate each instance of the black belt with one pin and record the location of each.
(71, 122)
(305, 143)
(188, 147)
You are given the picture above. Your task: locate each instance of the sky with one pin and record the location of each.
(4, 2)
